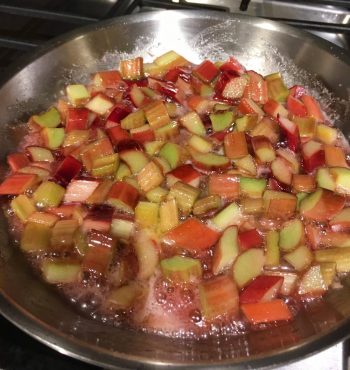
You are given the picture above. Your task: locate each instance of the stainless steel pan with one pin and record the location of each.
(262, 45)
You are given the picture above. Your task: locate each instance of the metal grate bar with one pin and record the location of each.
(46, 14)
(316, 26)
(19, 44)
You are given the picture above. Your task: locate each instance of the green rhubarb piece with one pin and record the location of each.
(125, 296)
(122, 171)
(40, 154)
(153, 147)
(247, 122)
(342, 179)
(122, 229)
(51, 118)
(220, 121)
(77, 94)
(23, 207)
(185, 196)
(80, 243)
(105, 166)
(291, 235)
(210, 160)
(276, 88)
(272, 256)
(324, 179)
(133, 120)
(231, 215)
(35, 237)
(204, 205)
(300, 197)
(300, 258)
(181, 269)
(42, 173)
(219, 107)
(48, 194)
(252, 187)
(53, 137)
(193, 123)
(171, 152)
(157, 194)
(61, 272)
(206, 91)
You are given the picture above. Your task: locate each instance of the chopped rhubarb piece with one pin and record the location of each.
(221, 120)
(157, 114)
(199, 104)
(61, 271)
(232, 65)
(248, 106)
(48, 194)
(321, 205)
(53, 137)
(230, 215)
(303, 183)
(16, 161)
(40, 154)
(23, 207)
(313, 155)
(224, 185)
(210, 161)
(275, 109)
(51, 118)
(334, 156)
(296, 107)
(142, 134)
(250, 239)
(181, 269)
(147, 253)
(256, 88)
(191, 235)
(77, 94)
(150, 177)
(312, 283)
(119, 112)
(276, 88)
(100, 193)
(279, 204)
(185, 196)
(207, 204)
(77, 119)
(117, 134)
(291, 132)
(263, 149)
(134, 158)
(17, 183)
(171, 59)
(62, 235)
(123, 196)
(107, 79)
(35, 237)
(67, 170)
(275, 310)
(99, 254)
(235, 87)
(218, 297)
(132, 69)
(80, 190)
(262, 289)
(297, 91)
(98, 218)
(313, 108)
(193, 123)
(300, 258)
(341, 222)
(235, 145)
(185, 173)
(133, 120)
(206, 71)
(168, 215)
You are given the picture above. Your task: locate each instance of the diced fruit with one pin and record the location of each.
(291, 235)
(328, 272)
(226, 186)
(326, 134)
(100, 104)
(296, 107)
(122, 229)
(53, 137)
(193, 123)
(125, 296)
(146, 214)
(252, 206)
(206, 71)
(312, 282)
(99, 195)
(62, 235)
(35, 237)
(23, 207)
(185, 173)
(291, 131)
(341, 178)
(235, 87)
(170, 59)
(251, 187)
(150, 177)
(43, 218)
(147, 253)
(135, 159)
(67, 170)
(77, 94)
(107, 79)
(276, 88)
(218, 297)
(230, 215)
(80, 190)
(16, 161)
(180, 269)
(48, 194)
(321, 205)
(173, 153)
(157, 114)
(133, 120)
(275, 109)
(306, 126)
(256, 88)
(303, 183)
(248, 106)
(300, 258)
(226, 250)
(341, 256)
(17, 183)
(123, 196)
(191, 235)
(200, 144)
(246, 164)
(39, 154)
(167, 132)
(341, 222)
(157, 194)
(169, 215)
(250, 239)
(275, 310)
(334, 156)
(264, 288)
(247, 122)
(235, 145)
(50, 118)
(131, 69)
(185, 195)
(61, 271)
(142, 134)
(267, 127)
(222, 120)
(207, 204)
(313, 108)
(209, 161)
(313, 155)
(263, 149)
(248, 266)
(279, 204)
(272, 257)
